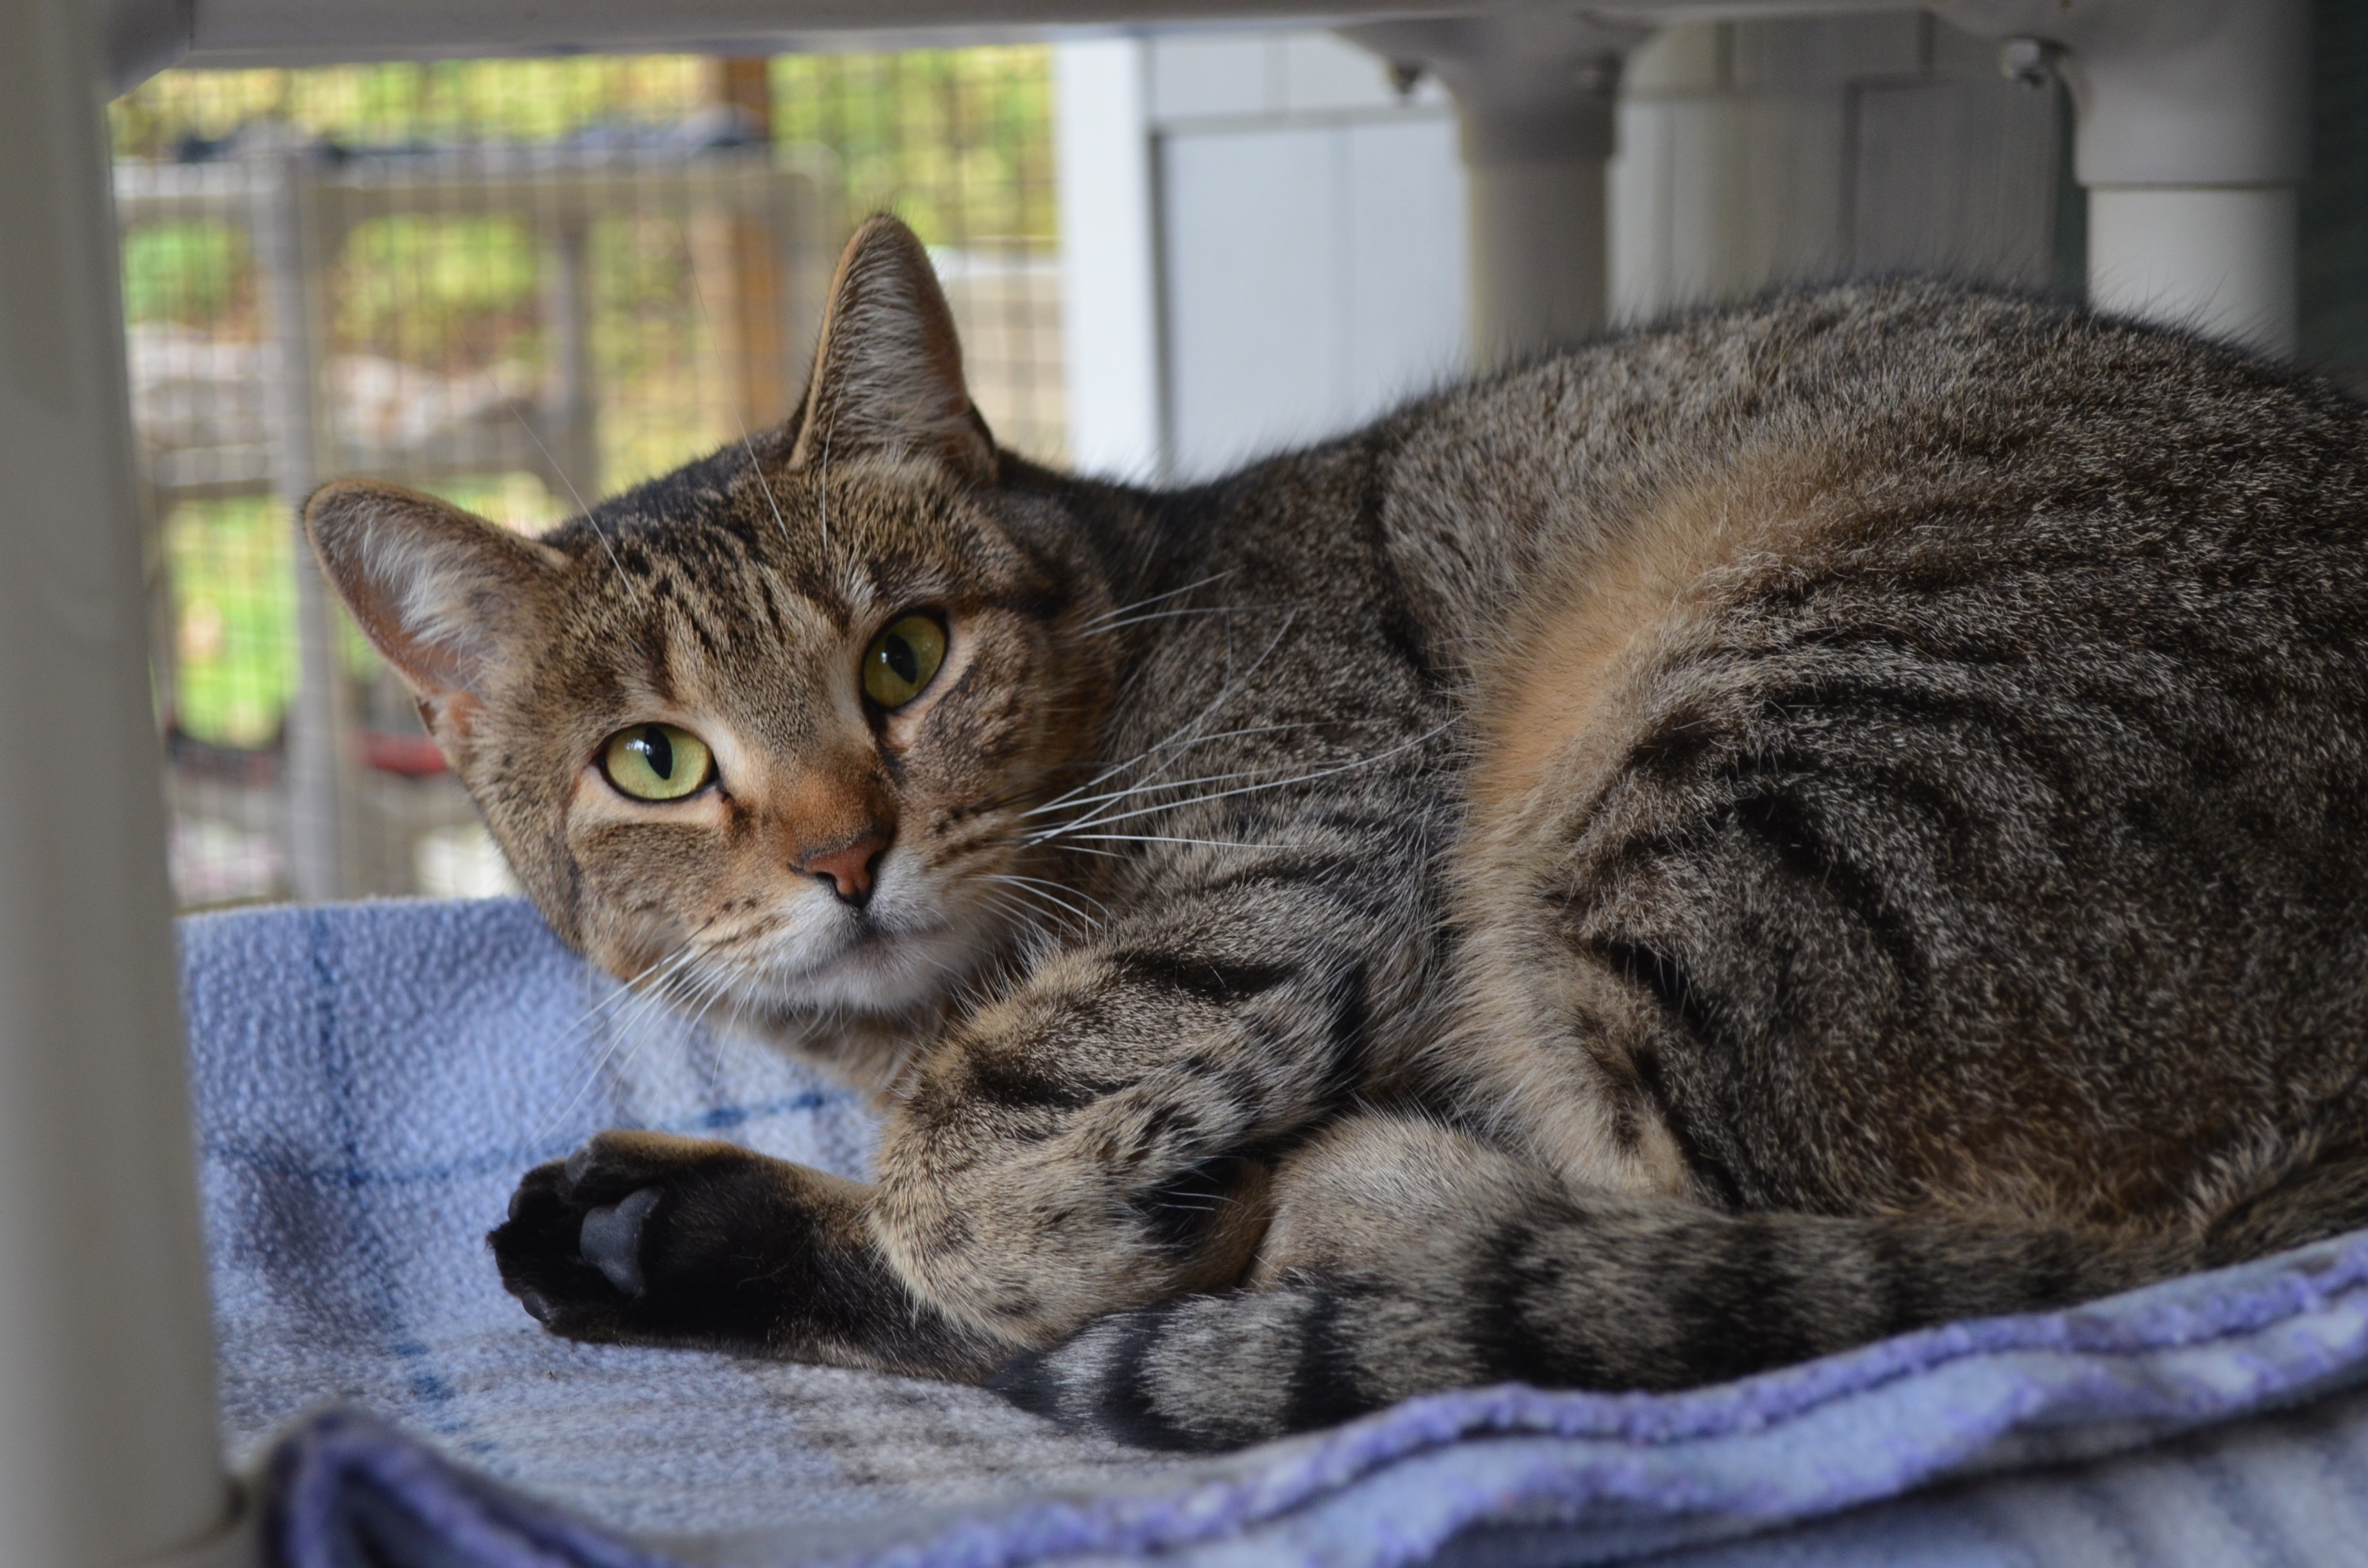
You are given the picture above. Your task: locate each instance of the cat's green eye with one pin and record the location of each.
(902, 659)
(656, 762)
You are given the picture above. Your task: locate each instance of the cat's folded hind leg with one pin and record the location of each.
(644, 1238)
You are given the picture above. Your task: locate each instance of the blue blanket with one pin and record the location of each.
(371, 1079)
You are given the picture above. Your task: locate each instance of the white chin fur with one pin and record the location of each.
(905, 950)
(890, 973)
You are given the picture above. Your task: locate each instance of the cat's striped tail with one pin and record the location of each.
(1615, 1295)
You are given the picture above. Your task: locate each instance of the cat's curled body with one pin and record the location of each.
(1811, 822)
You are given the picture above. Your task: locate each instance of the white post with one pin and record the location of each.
(1109, 270)
(2194, 132)
(1534, 98)
(569, 415)
(2220, 258)
(316, 785)
(108, 1445)
(1540, 246)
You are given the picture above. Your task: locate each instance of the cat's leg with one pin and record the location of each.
(1405, 1258)
(1104, 1139)
(644, 1238)
(1098, 1140)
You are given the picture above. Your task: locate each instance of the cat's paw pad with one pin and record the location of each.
(595, 1246)
(610, 1240)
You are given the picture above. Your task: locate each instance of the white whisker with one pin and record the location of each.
(656, 976)
(1058, 886)
(621, 991)
(1097, 623)
(1192, 726)
(1149, 786)
(715, 988)
(1172, 614)
(1004, 904)
(1188, 742)
(1164, 838)
(1031, 887)
(1095, 819)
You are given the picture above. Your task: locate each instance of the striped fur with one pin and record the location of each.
(1813, 820)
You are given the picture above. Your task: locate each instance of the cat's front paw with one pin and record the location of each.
(648, 1238)
(651, 1239)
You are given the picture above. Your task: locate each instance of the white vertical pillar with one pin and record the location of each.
(2219, 258)
(283, 222)
(569, 414)
(107, 1445)
(2194, 132)
(1534, 97)
(1540, 237)
(1110, 293)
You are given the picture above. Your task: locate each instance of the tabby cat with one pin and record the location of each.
(1817, 819)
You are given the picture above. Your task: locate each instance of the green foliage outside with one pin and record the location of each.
(234, 603)
(429, 290)
(194, 273)
(957, 142)
(650, 342)
(411, 103)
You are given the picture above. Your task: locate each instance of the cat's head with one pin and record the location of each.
(770, 726)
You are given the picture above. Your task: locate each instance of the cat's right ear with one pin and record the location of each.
(436, 590)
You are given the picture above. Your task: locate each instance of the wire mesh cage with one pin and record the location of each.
(518, 285)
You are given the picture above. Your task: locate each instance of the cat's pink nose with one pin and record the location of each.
(847, 869)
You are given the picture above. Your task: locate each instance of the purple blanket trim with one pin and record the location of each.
(340, 1472)
(343, 1474)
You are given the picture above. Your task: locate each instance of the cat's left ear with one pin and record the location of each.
(888, 374)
